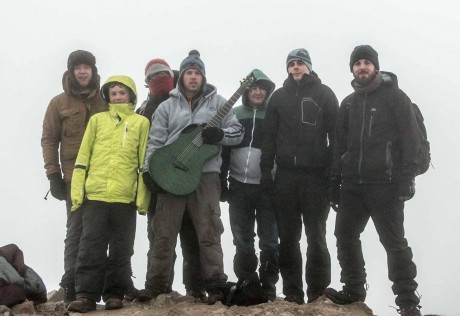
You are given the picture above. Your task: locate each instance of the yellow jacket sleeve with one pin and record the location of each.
(82, 164)
(143, 194)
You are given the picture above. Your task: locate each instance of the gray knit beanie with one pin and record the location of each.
(192, 61)
(364, 52)
(299, 54)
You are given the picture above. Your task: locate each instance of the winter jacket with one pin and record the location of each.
(299, 125)
(17, 280)
(64, 125)
(111, 155)
(376, 137)
(174, 114)
(243, 160)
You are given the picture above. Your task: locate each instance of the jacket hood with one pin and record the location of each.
(125, 80)
(263, 80)
(383, 78)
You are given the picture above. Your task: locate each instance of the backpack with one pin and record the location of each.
(246, 292)
(423, 155)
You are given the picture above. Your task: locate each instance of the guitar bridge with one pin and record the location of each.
(180, 166)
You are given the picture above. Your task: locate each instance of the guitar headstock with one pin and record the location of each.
(247, 82)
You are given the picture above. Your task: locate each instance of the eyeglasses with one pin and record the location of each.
(159, 74)
(255, 88)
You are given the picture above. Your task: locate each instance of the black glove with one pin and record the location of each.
(406, 189)
(150, 184)
(266, 182)
(57, 186)
(333, 192)
(224, 192)
(212, 135)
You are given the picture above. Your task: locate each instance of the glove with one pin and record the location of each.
(150, 184)
(57, 186)
(333, 192)
(406, 189)
(266, 182)
(212, 135)
(224, 192)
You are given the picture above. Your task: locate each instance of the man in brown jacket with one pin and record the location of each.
(63, 128)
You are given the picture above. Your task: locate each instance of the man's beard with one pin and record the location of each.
(364, 81)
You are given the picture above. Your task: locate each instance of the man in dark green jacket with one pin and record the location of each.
(298, 131)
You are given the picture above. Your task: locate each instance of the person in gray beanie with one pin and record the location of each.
(373, 171)
(63, 127)
(298, 135)
(193, 102)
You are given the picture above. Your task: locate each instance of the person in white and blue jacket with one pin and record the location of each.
(247, 202)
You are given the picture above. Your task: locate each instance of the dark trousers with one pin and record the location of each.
(248, 204)
(71, 243)
(190, 252)
(358, 203)
(301, 194)
(105, 225)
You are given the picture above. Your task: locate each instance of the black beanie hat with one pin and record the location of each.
(364, 52)
(79, 57)
(192, 61)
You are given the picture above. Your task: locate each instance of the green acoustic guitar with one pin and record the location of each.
(177, 167)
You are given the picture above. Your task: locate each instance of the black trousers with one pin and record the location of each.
(301, 194)
(109, 226)
(358, 203)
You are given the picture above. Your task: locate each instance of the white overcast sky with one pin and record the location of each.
(416, 39)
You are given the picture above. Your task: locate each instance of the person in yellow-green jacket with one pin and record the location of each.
(107, 189)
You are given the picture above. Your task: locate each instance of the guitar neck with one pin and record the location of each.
(215, 122)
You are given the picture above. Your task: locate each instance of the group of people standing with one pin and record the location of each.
(285, 157)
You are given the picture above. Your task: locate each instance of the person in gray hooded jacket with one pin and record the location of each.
(193, 102)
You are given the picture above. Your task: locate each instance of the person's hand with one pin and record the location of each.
(151, 184)
(224, 192)
(406, 189)
(57, 186)
(266, 182)
(212, 135)
(333, 192)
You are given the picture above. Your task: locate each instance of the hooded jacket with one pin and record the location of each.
(111, 154)
(377, 134)
(64, 125)
(299, 125)
(174, 114)
(243, 160)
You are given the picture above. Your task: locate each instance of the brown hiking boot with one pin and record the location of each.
(82, 305)
(113, 303)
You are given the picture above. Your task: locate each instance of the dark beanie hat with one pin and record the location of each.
(364, 52)
(299, 54)
(192, 61)
(79, 57)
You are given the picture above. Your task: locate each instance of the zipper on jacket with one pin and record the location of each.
(124, 133)
(254, 110)
(370, 124)
(363, 124)
(389, 160)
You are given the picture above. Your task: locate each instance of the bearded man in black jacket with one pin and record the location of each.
(298, 131)
(372, 176)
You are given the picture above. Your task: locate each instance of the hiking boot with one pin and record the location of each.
(294, 299)
(411, 310)
(147, 294)
(69, 295)
(313, 298)
(131, 294)
(113, 303)
(215, 296)
(82, 305)
(343, 297)
(197, 294)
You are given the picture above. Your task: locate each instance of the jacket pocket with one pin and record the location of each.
(72, 123)
(310, 110)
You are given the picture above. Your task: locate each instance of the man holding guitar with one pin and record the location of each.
(179, 153)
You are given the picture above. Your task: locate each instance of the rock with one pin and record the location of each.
(5, 311)
(24, 308)
(56, 296)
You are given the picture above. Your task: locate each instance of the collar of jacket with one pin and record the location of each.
(307, 80)
(121, 110)
(373, 85)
